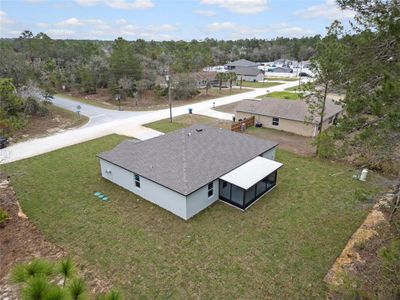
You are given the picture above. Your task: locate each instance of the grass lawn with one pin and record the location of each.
(283, 95)
(186, 120)
(265, 84)
(281, 248)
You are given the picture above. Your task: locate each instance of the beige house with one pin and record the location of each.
(287, 115)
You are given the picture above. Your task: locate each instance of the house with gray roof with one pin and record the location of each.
(288, 115)
(241, 63)
(251, 74)
(187, 170)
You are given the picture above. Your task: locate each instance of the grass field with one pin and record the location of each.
(283, 95)
(265, 84)
(186, 120)
(281, 248)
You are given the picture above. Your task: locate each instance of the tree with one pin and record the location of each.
(220, 77)
(231, 77)
(370, 129)
(328, 67)
(123, 61)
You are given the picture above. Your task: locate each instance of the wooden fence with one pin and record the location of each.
(239, 126)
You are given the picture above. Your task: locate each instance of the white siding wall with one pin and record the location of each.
(149, 190)
(270, 154)
(198, 200)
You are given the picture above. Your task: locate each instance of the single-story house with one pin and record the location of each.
(287, 115)
(187, 170)
(201, 78)
(241, 63)
(249, 74)
(281, 70)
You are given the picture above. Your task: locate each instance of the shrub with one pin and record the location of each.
(3, 215)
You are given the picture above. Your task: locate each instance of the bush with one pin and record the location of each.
(38, 280)
(3, 215)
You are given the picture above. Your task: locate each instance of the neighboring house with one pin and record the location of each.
(187, 170)
(281, 70)
(241, 63)
(287, 115)
(201, 78)
(249, 74)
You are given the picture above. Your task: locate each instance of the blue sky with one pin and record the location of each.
(168, 20)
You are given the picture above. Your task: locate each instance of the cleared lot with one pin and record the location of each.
(280, 248)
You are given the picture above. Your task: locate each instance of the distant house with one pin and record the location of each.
(281, 70)
(287, 115)
(202, 78)
(241, 63)
(187, 170)
(249, 74)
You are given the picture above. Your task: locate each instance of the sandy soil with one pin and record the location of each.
(57, 120)
(148, 101)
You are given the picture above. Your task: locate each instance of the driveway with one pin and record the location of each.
(105, 121)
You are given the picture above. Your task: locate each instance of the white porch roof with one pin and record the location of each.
(251, 172)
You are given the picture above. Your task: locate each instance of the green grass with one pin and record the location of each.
(281, 248)
(3, 215)
(187, 120)
(281, 78)
(283, 95)
(265, 84)
(165, 125)
(293, 89)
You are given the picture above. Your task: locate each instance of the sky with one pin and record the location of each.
(169, 20)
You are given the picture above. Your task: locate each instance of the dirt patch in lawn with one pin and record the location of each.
(292, 142)
(21, 241)
(148, 100)
(56, 121)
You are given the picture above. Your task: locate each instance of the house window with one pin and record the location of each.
(275, 121)
(210, 189)
(137, 181)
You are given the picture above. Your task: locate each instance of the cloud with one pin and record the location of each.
(329, 10)
(70, 22)
(239, 6)
(4, 19)
(121, 21)
(205, 13)
(61, 33)
(119, 4)
(236, 31)
(218, 26)
(43, 25)
(33, 1)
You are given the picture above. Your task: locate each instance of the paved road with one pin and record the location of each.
(104, 122)
(97, 115)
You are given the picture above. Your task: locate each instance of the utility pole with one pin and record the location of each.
(168, 78)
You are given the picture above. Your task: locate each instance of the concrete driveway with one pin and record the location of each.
(105, 121)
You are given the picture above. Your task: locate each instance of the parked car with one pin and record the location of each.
(3, 142)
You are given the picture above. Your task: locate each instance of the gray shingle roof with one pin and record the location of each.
(185, 160)
(247, 71)
(285, 109)
(242, 63)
